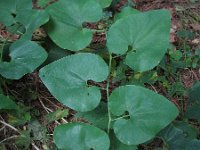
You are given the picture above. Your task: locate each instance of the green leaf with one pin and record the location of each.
(197, 52)
(104, 3)
(126, 11)
(143, 36)
(25, 56)
(32, 19)
(19, 117)
(79, 136)
(7, 103)
(98, 117)
(185, 34)
(38, 130)
(188, 130)
(67, 79)
(194, 94)
(176, 55)
(14, 6)
(176, 140)
(43, 3)
(9, 8)
(23, 141)
(193, 112)
(56, 115)
(117, 145)
(148, 112)
(55, 53)
(66, 23)
(6, 18)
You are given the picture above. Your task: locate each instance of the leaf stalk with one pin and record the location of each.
(107, 93)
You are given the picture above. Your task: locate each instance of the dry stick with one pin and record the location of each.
(195, 76)
(49, 100)
(49, 110)
(9, 138)
(33, 144)
(15, 129)
(153, 88)
(10, 126)
(2, 128)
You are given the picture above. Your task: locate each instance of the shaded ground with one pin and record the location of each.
(38, 101)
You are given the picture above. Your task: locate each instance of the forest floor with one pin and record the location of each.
(177, 77)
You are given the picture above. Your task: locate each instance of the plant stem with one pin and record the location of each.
(107, 93)
(1, 49)
(121, 117)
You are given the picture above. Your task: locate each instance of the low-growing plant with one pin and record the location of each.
(119, 118)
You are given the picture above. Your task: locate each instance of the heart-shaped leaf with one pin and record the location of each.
(194, 94)
(148, 112)
(7, 103)
(66, 22)
(6, 18)
(9, 8)
(176, 139)
(117, 145)
(31, 19)
(126, 11)
(193, 110)
(26, 56)
(143, 36)
(79, 136)
(104, 3)
(67, 80)
(98, 117)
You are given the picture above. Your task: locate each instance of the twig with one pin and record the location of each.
(154, 88)
(49, 101)
(10, 126)
(2, 128)
(45, 108)
(33, 144)
(9, 138)
(15, 129)
(195, 76)
(49, 110)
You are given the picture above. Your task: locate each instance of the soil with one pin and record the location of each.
(44, 102)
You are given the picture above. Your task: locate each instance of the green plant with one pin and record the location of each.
(131, 114)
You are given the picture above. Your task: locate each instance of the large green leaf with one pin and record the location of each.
(104, 3)
(9, 8)
(13, 11)
(67, 80)
(7, 103)
(79, 136)
(117, 145)
(148, 112)
(176, 139)
(6, 18)
(98, 117)
(194, 94)
(193, 111)
(126, 11)
(26, 56)
(188, 130)
(143, 36)
(66, 22)
(32, 19)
